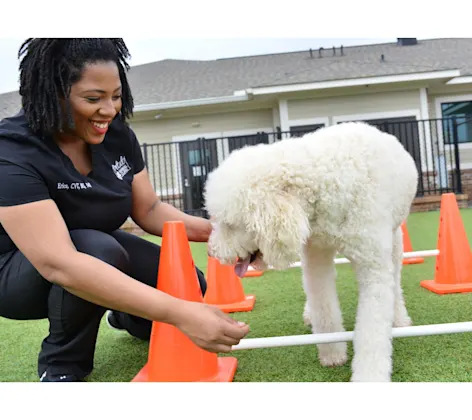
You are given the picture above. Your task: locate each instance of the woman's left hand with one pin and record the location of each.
(199, 230)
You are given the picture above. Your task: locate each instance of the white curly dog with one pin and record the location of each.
(342, 189)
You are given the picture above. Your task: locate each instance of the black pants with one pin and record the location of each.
(73, 322)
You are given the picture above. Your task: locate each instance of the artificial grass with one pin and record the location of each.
(278, 312)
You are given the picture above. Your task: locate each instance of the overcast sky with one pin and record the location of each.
(210, 29)
(149, 50)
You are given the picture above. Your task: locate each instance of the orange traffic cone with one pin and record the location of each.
(253, 273)
(225, 290)
(173, 357)
(408, 248)
(453, 272)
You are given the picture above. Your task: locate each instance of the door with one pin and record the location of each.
(197, 159)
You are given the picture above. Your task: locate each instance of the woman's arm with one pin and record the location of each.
(150, 214)
(40, 233)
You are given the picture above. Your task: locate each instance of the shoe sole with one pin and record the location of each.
(109, 324)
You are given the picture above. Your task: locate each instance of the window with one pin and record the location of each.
(195, 157)
(462, 111)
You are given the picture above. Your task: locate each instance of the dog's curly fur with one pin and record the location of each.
(342, 189)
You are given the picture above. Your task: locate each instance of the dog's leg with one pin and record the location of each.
(322, 309)
(372, 342)
(401, 318)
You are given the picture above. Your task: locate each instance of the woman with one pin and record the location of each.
(71, 172)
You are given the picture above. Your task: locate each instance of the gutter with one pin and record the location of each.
(412, 77)
(240, 96)
(460, 80)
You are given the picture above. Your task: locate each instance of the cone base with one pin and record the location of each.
(413, 260)
(226, 370)
(253, 273)
(443, 289)
(245, 305)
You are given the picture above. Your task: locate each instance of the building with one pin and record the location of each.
(190, 114)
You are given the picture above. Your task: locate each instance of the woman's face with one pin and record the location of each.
(95, 101)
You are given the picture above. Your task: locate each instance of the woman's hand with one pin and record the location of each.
(150, 213)
(199, 229)
(210, 328)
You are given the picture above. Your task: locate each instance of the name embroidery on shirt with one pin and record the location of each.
(121, 167)
(74, 186)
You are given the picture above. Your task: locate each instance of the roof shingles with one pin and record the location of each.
(178, 80)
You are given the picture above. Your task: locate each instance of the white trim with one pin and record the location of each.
(424, 104)
(275, 120)
(460, 80)
(283, 115)
(192, 102)
(308, 121)
(450, 98)
(190, 137)
(412, 77)
(426, 147)
(378, 115)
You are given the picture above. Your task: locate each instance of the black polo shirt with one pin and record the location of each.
(33, 169)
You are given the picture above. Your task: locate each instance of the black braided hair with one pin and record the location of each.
(51, 65)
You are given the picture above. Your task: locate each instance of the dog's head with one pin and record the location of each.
(255, 220)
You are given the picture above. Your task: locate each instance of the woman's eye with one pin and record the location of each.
(93, 99)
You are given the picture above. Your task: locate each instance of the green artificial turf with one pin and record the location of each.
(278, 312)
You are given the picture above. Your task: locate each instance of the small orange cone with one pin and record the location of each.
(408, 248)
(173, 357)
(253, 273)
(225, 290)
(453, 272)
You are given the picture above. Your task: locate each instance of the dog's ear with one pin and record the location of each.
(281, 228)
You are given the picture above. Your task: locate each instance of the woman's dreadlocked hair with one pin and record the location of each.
(51, 65)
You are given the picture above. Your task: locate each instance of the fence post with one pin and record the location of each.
(455, 137)
(145, 155)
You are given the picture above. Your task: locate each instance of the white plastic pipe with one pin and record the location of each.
(306, 339)
(414, 254)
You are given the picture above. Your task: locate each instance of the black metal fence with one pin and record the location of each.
(179, 170)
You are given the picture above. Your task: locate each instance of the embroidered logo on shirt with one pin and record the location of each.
(121, 167)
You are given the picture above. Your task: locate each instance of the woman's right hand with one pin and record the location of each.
(210, 328)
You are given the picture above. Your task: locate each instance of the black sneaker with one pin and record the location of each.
(45, 377)
(112, 321)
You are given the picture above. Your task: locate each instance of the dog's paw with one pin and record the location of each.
(306, 319)
(332, 354)
(404, 321)
(306, 315)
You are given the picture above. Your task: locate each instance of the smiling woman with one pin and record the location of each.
(96, 100)
(71, 173)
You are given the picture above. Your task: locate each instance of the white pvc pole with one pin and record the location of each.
(414, 254)
(300, 340)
